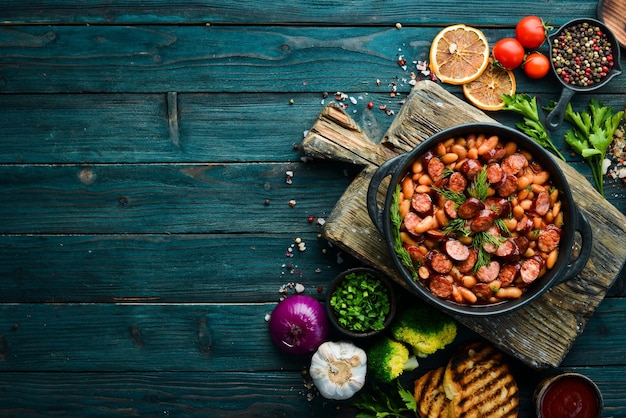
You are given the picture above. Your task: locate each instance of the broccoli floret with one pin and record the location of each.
(424, 328)
(388, 359)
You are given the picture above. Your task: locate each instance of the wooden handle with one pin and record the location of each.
(335, 136)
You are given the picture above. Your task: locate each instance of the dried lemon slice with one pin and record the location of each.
(486, 91)
(459, 54)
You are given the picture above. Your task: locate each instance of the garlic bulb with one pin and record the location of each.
(338, 369)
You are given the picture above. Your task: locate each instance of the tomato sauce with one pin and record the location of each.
(569, 397)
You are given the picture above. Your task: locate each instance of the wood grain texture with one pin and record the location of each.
(133, 128)
(209, 394)
(154, 359)
(218, 337)
(321, 13)
(541, 333)
(163, 268)
(134, 281)
(185, 198)
(158, 59)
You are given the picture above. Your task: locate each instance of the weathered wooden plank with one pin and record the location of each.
(131, 337)
(179, 394)
(163, 198)
(133, 128)
(562, 312)
(208, 394)
(220, 337)
(193, 268)
(321, 13)
(157, 59)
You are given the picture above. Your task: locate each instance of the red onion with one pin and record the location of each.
(299, 324)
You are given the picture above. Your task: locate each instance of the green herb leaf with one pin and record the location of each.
(531, 125)
(480, 185)
(457, 226)
(386, 403)
(456, 197)
(361, 302)
(408, 398)
(396, 220)
(592, 135)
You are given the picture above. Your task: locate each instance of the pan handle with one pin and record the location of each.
(388, 168)
(582, 226)
(556, 115)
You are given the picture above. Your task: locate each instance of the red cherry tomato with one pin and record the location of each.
(509, 53)
(531, 32)
(536, 65)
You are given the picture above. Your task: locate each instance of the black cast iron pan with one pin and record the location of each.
(555, 118)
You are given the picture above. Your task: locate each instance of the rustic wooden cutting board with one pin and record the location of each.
(539, 334)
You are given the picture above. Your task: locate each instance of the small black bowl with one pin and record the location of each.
(372, 274)
(554, 119)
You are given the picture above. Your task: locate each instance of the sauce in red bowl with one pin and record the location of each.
(568, 395)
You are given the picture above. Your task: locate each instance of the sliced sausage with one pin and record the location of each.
(422, 204)
(434, 235)
(508, 185)
(456, 250)
(449, 208)
(417, 225)
(482, 291)
(494, 155)
(513, 163)
(530, 269)
(495, 174)
(483, 220)
(488, 273)
(471, 168)
(470, 208)
(524, 225)
(548, 240)
(508, 250)
(428, 155)
(488, 246)
(468, 264)
(522, 243)
(541, 204)
(457, 182)
(535, 166)
(441, 286)
(411, 220)
(499, 205)
(439, 262)
(508, 273)
(417, 257)
(435, 169)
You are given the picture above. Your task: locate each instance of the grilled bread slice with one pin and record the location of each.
(479, 383)
(430, 396)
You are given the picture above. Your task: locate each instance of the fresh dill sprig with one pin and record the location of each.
(456, 197)
(483, 256)
(502, 226)
(457, 226)
(478, 241)
(396, 219)
(480, 185)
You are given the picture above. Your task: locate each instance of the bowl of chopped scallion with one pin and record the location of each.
(361, 302)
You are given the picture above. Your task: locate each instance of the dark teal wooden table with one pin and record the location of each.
(145, 215)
